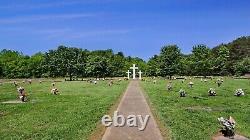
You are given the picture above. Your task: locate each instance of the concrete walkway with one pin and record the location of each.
(134, 103)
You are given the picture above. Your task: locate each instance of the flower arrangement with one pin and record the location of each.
(111, 82)
(15, 83)
(54, 91)
(239, 92)
(182, 93)
(169, 86)
(211, 92)
(219, 82)
(22, 95)
(191, 84)
(20, 90)
(228, 126)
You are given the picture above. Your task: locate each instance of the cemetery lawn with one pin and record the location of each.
(72, 115)
(191, 118)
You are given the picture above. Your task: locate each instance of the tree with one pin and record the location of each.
(186, 65)
(10, 63)
(169, 60)
(220, 61)
(35, 64)
(153, 68)
(201, 62)
(97, 66)
(64, 61)
(1, 69)
(117, 64)
(242, 66)
(99, 63)
(82, 63)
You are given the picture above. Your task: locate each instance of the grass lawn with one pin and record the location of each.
(191, 118)
(72, 115)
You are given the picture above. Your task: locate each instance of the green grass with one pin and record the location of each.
(72, 115)
(195, 119)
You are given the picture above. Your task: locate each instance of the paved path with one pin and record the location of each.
(236, 137)
(134, 103)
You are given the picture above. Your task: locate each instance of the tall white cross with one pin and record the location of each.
(133, 68)
(140, 74)
(128, 73)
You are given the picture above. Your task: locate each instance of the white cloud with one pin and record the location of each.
(77, 34)
(65, 33)
(22, 19)
(39, 5)
(24, 5)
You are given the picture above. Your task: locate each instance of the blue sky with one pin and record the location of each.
(136, 27)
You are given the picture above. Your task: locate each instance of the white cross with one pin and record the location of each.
(140, 74)
(133, 68)
(128, 73)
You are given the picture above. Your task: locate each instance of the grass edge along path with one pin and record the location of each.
(165, 132)
(98, 133)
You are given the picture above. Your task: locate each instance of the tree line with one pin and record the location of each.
(66, 62)
(225, 59)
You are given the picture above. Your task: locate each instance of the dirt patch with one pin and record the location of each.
(219, 136)
(1, 114)
(199, 108)
(13, 102)
(58, 81)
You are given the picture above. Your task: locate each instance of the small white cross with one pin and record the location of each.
(128, 73)
(140, 74)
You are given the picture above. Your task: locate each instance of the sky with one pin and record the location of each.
(138, 28)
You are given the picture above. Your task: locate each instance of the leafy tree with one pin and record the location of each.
(10, 60)
(35, 65)
(63, 62)
(97, 66)
(82, 63)
(117, 64)
(1, 69)
(201, 64)
(99, 63)
(186, 65)
(242, 66)
(169, 60)
(153, 68)
(220, 61)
